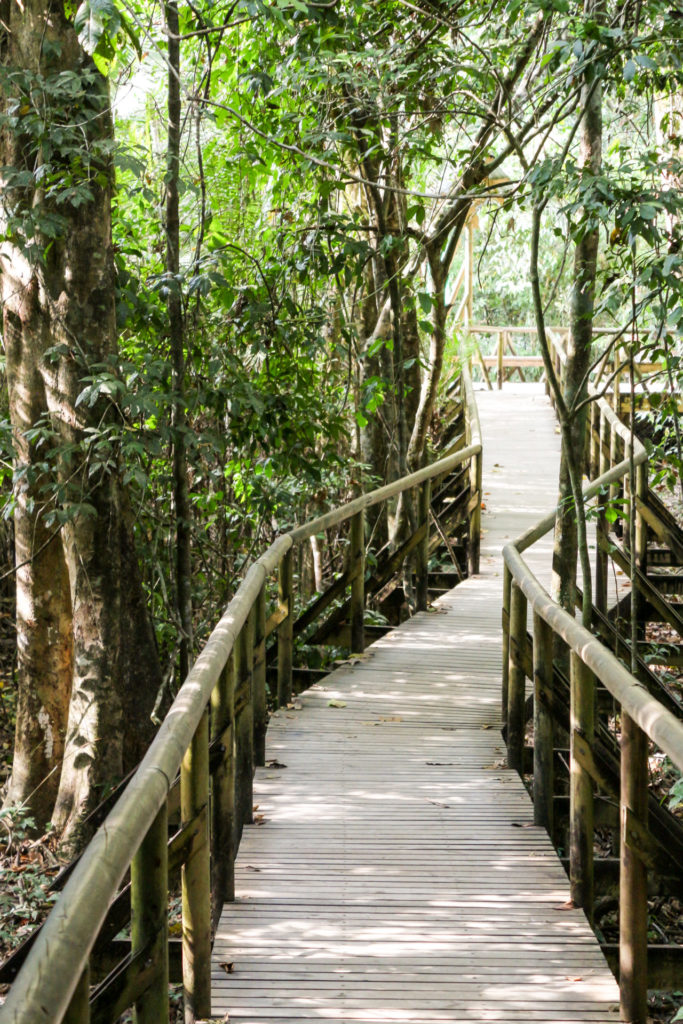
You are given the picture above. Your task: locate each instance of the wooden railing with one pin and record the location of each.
(202, 760)
(643, 718)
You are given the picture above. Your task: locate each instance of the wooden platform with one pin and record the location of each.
(393, 873)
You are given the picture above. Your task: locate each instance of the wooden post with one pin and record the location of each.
(259, 680)
(593, 459)
(500, 360)
(149, 917)
(78, 1011)
(223, 790)
(424, 501)
(469, 280)
(633, 874)
(244, 723)
(582, 715)
(196, 880)
(285, 631)
(474, 545)
(601, 523)
(516, 680)
(357, 567)
(637, 602)
(544, 786)
(505, 668)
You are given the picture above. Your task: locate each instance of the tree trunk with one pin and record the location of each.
(181, 487)
(59, 306)
(566, 544)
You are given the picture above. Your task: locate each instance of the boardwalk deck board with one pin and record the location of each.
(395, 874)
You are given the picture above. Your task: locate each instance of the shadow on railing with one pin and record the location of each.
(643, 717)
(215, 730)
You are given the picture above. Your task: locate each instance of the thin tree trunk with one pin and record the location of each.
(181, 489)
(566, 541)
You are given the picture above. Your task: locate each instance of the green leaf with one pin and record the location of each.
(648, 212)
(629, 70)
(93, 19)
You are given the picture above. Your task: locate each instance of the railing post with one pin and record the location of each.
(601, 523)
(507, 588)
(640, 498)
(357, 568)
(424, 502)
(78, 1011)
(500, 360)
(196, 879)
(582, 716)
(516, 680)
(149, 917)
(594, 441)
(223, 789)
(544, 746)
(474, 545)
(633, 874)
(285, 631)
(244, 723)
(259, 680)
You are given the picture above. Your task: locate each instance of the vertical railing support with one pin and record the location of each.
(640, 499)
(633, 874)
(357, 567)
(223, 789)
(582, 718)
(501, 337)
(507, 588)
(601, 523)
(474, 545)
(285, 631)
(424, 503)
(78, 1011)
(196, 880)
(149, 918)
(244, 723)
(259, 680)
(544, 786)
(516, 680)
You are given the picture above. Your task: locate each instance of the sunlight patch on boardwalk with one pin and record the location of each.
(395, 874)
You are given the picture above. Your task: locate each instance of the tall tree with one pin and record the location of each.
(87, 670)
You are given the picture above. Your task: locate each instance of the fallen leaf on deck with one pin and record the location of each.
(569, 905)
(228, 967)
(336, 703)
(259, 819)
(275, 764)
(486, 726)
(250, 867)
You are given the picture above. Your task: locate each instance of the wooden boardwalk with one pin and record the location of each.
(394, 873)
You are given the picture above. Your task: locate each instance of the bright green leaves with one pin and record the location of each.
(102, 30)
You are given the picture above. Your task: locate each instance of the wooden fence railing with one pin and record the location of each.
(201, 761)
(643, 718)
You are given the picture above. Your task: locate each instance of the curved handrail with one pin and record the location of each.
(45, 985)
(642, 715)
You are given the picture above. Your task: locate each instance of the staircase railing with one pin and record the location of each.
(211, 738)
(644, 719)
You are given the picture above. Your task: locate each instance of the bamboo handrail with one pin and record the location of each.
(643, 717)
(50, 981)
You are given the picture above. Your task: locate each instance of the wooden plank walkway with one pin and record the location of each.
(394, 873)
